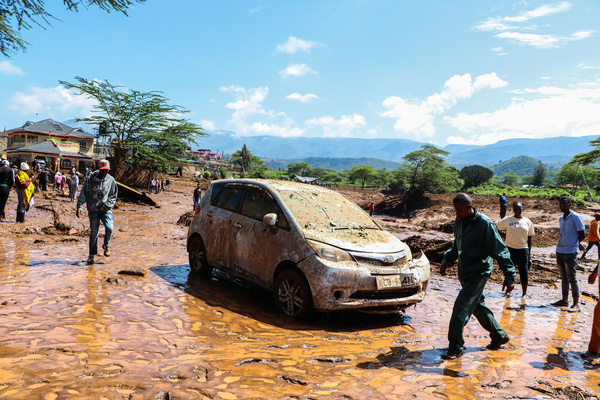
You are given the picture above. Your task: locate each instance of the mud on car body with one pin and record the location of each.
(311, 246)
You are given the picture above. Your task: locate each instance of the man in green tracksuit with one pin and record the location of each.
(476, 242)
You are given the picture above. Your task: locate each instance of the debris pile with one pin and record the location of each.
(186, 219)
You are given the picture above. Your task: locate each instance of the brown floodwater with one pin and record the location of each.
(66, 332)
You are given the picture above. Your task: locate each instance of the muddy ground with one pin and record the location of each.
(138, 326)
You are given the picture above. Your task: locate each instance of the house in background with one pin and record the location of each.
(59, 145)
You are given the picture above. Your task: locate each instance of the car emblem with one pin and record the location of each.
(388, 259)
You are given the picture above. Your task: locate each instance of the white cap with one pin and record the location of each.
(24, 166)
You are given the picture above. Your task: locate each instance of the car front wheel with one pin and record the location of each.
(197, 257)
(292, 294)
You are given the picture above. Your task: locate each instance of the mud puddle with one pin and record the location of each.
(67, 332)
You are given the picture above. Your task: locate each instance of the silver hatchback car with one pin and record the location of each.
(311, 246)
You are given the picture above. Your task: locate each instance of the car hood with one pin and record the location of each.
(358, 240)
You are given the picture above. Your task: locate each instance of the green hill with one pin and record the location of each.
(337, 164)
(520, 165)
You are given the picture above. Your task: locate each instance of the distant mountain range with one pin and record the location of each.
(280, 150)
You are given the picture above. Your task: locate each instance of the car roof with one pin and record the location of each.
(277, 185)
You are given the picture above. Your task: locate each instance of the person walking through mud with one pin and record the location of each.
(593, 236)
(197, 195)
(58, 180)
(594, 346)
(572, 232)
(7, 180)
(476, 243)
(25, 189)
(99, 194)
(74, 185)
(517, 238)
(43, 177)
(503, 205)
(371, 208)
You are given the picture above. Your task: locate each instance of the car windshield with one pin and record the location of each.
(325, 211)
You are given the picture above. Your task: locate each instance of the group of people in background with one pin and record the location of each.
(157, 185)
(22, 179)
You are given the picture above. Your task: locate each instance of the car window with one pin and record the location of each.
(230, 198)
(258, 203)
(214, 192)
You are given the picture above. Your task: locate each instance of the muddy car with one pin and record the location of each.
(312, 247)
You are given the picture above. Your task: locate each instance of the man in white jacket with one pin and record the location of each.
(99, 194)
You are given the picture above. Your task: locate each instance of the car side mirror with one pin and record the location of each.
(270, 220)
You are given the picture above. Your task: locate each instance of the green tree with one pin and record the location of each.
(332, 177)
(300, 169)
(362, 174)
(426, 170)
(475, 175)
(590, 157)
(511, 179)
(17, 15)
(144, 130)
(247, 161)
(573, 174)
(539, 175)
(382, 177)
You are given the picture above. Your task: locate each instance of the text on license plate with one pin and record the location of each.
(392, 281)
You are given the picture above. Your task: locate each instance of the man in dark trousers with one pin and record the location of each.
(99, 195)
(572, 232)
(503, 205)
(7, 180)
(43, 179)
(476, 243)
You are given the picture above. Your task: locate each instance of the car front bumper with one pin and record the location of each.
(351, 285)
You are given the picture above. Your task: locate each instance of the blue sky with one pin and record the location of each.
(469, 72)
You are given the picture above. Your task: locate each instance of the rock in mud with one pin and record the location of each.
(118, 280)
(133, 272)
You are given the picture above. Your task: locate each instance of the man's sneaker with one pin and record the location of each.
(574, 308)
(560, 303)
(496, 344)
(451, 355)
(106, 250)
(90, 260)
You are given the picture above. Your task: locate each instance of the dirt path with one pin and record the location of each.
(73, 331)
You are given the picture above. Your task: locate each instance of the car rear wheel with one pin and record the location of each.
(197, 257)
(292, 294)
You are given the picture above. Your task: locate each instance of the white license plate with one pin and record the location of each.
(393, 281)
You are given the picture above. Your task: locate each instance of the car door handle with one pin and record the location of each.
(237, 225)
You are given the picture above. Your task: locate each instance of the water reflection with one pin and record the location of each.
(243, 298)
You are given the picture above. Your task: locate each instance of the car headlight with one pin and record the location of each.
(329, 252)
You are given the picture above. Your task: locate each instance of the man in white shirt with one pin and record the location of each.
(517, 234)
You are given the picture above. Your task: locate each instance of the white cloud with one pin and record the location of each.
(293, 45)
(302, 98)
(296, 70)
(207, 125)
(512, 27)
(52, 102)
(7, 68)
(249, 115)
(342, 127)
(418, 117)
(587, 66)
(546, 111)
(542, 11)
(542, 41)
